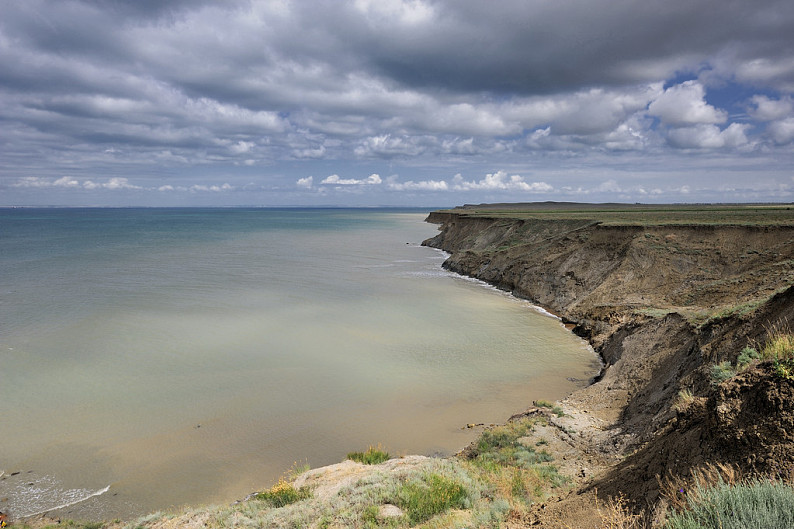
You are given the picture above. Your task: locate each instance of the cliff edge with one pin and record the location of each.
(663, 293)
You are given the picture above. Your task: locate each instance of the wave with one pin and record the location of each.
(25, 498)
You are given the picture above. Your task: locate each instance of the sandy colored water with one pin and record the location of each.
(198, 367)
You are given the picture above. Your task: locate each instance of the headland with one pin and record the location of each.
(664, 294)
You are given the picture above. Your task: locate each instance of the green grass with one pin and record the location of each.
(757, 504)
(780, 350)
(641, 214)
(554, 409)
(518, 473)
(430, 496)
(372, 456)
(779, 347)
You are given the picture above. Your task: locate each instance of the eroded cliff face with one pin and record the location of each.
(580, 268)
(660, 304)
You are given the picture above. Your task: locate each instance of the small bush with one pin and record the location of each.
(372, 456)
(757, 504)
(785, 368)
(282, 493)
(685, 398)
(434, 495)
(721, 372)
(747, 357)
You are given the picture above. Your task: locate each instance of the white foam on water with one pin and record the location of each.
(26, 498)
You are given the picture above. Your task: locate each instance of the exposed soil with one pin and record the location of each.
(660, 304)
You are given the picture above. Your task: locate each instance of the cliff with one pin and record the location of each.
(663, 296)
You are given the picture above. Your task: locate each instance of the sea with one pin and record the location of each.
(154, 358)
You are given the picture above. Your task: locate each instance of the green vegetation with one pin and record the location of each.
(281, 494)
(759, 504)
(517, 471)
(554, 408)
(432, 495)
(746, 358)
(685, 398)
(641, 214)
(721, 372)
(779, 349)
(372, 456)
(503, 477)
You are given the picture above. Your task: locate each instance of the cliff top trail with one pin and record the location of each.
(663, 293)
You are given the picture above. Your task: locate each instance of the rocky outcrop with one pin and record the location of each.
(660, 304)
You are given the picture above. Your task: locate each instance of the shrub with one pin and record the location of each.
(785, 368)
(685, 398)
(721, 372)
(757, 504)
(421, 500)
(282, 493)
(747, 357)
(372, 456)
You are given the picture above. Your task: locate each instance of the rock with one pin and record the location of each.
(390, 511)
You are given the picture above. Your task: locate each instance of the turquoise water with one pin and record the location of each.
(151, 358)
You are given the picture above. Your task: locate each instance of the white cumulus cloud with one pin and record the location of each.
(684, 105)
(305, 183)
(500, 181)
(782, 132)
(424, 185)
(706, 136)
(767, 109)
(334, 179)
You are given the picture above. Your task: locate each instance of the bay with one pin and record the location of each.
(152, 358)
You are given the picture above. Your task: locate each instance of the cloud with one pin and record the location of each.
(67, 182)
(305, 183)
(706, 136)
(684, 104)
(500, 181)
(766, 109)
(387, 146)
(145, 91)
(112, 184)
(425, 185)
(199, 188)
(782, 131)
(334, 179)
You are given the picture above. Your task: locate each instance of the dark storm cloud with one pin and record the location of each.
(112, 85)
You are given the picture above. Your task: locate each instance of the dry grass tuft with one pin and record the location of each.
(676, 489)
(615, 514)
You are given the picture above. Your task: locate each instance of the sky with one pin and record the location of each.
(395, 102)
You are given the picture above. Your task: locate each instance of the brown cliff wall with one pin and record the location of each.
(660, 304)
